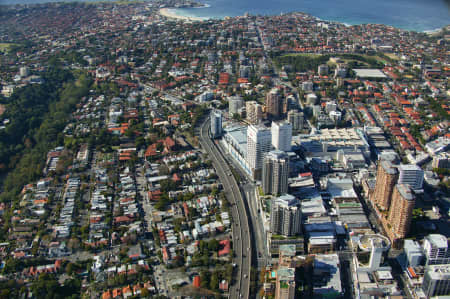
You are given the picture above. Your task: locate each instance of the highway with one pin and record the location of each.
(262, 255)
(241, 232)
(259, 237)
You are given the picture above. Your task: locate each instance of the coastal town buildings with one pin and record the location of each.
(334, 140)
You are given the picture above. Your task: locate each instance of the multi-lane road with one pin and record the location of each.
(241, 232)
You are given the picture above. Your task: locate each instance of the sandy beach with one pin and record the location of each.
(170, 13)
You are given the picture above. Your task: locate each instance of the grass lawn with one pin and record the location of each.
(4, 47)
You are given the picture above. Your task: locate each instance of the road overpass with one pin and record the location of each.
(241, 232)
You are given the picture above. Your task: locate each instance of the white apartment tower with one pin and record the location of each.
(281, 136)
(258, 144)
(436, 249)
(412, 175)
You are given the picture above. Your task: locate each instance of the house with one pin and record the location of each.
(117, 293)
(196, 282)
(135, 252)
(127, 292)
(226, 247)
(107, 295)
(223, 285)
(137, 289)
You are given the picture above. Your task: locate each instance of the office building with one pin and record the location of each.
(327, 276)
(24, 71)
(400, 212)
(436, 281)
(216, 123)
(340, 71)
(335, 116)
(275, 173)
(311, 99)
(281, 136)
(378, 246)
(235, 143)
(296, 119)
(307, 86)
(411, 175)
(274, 104)
(285, 216)
(441, 160)
(332, 140)
(259, 142)
(436, 249)
(330, 106)
(254, 112)
(387, 176)
(414, 253)
(286, 256)
(285, 285)
(235, 104)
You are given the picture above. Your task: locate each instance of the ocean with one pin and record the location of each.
(417, 15)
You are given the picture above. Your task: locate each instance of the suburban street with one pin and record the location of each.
(241, 233)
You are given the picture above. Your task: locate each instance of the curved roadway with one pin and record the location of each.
(241, 233)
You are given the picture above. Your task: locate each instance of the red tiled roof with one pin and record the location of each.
(226, 247)
(196, 282)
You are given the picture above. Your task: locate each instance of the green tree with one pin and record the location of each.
(214, 283)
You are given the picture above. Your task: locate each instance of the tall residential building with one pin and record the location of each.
(285, 285)
(400, 212)
(259, 142)
(254, 112)
(274, 104)
(436, 249)
(275, 173)
(235, 103)
(386, 179)
(436, 281)
(411, 175)
(281, 136)
(285, 216)
(216, 123)
(296, 119)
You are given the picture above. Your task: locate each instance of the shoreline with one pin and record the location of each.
(171, 14)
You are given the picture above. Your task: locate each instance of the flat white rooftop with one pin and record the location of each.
(369, 73)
